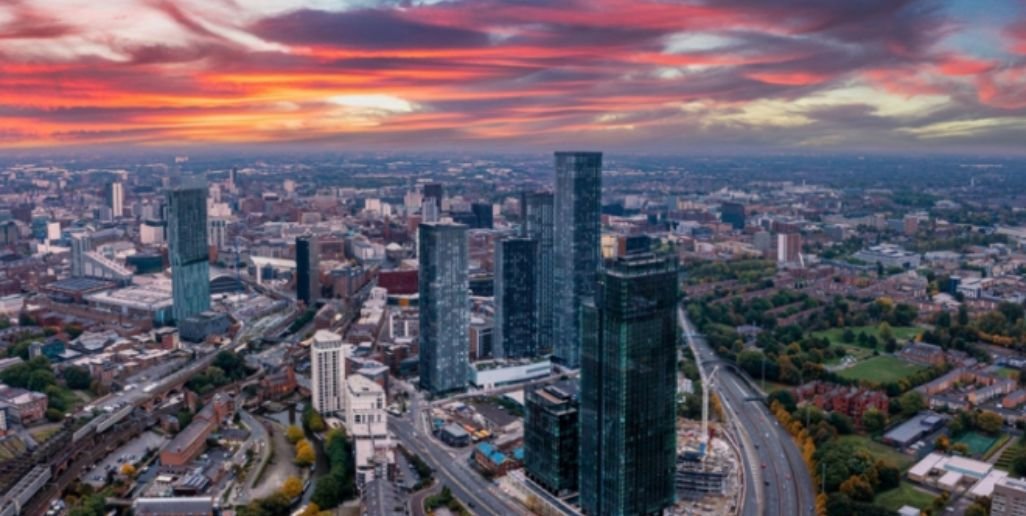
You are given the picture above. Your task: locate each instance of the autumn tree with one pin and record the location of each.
(292, 487)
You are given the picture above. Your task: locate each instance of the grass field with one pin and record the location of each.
(1008, 372)
(900, 333)
(978, 443)
(998, 444)
(879, 450)
(859, 353)
(1005, 461)
(880, 369)
(904, 494)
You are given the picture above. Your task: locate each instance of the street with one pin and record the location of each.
(773, 466)
(479, 495)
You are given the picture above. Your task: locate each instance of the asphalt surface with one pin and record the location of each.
(776, 478)
(479, 495)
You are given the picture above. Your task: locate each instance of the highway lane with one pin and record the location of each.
(480, 495)
(774, 471)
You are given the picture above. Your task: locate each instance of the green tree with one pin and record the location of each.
(857, 488)
(874, 421)
(989, 422)
(911, 403)
(77, 378)
(293, 433)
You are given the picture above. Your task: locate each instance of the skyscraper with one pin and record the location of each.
(733, 213)
(483, 216)
(308, 285)
(187, 247)
(578, 202)
(80, 245)
(116, 199)
(628, 388)
(434, 192)
(516, 309)
(539, 226)
(444, 307)
(551, 436)
(328, 372)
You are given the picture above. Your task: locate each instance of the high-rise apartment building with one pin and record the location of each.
(187, 249)
(308, 285)
(789, 247)
(516, 309)
(539, 226)
(328, 372)
(444, 301)
(217, 233)
(1009, 498)
(628, 388)
(578, 204)
(551, 437)
(116, 199)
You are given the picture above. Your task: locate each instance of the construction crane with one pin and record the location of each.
(707, 383)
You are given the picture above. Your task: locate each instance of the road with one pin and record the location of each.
(479, 495)
(774, 471)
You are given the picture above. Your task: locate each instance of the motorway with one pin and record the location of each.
(479, 495)
(774, 470)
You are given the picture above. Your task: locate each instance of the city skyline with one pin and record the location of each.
(685, 77)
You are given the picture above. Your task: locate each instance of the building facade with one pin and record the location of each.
(577, 210)
(550, 437)
(516, 309)
(628, 388)
(1009, 498)
(187, 250)
(116, 199)
(308, 285)
(328, 372)
(539, 226)
(444, 302)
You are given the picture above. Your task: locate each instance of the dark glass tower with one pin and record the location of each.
(308, 286)
(187, 247)
(516, 311)
(550, 437)
(733, 213)
(628, 388)
(578, 202)
(483, 216)
(444, 307)
(539, 226)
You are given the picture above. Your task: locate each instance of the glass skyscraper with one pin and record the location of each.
(578, 204)
(628, 388)
(308, 285)
(444, 307)
(516, 309)
(539, 225)
(550, 436)
(187, 247)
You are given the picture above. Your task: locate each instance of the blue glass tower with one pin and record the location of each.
(516, 309)
(187, 247)
(444, 302)
(578, 203)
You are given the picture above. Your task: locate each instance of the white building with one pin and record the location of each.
(491, 374)
(328, 372)
(367, 424)
(217, 233)
(151, 232)
(117, 199)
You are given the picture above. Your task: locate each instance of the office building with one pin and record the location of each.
(789, 247)
(733, 213)
(308, 285)
(483, 215)
(328, 372)
(578, 202)
(1009, 498)
(80, 245)
(116, 199)
(187, 249)
(516, 311)
(444, 307)
(217, 233)
(433, 193)
(550, 437)
(628, 388)
(539, 225)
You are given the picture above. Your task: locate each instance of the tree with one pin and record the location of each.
(961, 449)
(305, 455)
(293, 433)
(292, 488)
(989, 422)
(841, 422)
(942, 443)
(77, 378)
(940, 502)
(848, 336)
(874, 421)
(911, 403)
(311, 509)
(1019, 464)
(963, 315)
(128, 470)
(884, 330)
(976, 509)
(857, 488)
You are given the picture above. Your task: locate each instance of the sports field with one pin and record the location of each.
(880, 369)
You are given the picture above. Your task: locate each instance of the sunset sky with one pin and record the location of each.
(650, 76)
